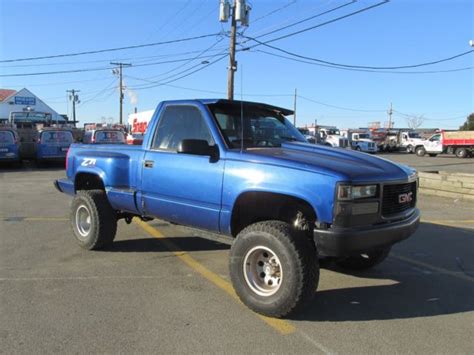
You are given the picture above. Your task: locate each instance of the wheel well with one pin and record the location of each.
(86, 181)
(252, 207)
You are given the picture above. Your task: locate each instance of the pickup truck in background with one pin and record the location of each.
(242, 170)
(460, 143)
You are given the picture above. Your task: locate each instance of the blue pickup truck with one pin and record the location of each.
(242, 170)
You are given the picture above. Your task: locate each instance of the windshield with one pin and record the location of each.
(413, 135)
(364, 136)
(109, 137)
(333, 132)
(261, 127)
(6, 137)
(51, 137)
(304, 131)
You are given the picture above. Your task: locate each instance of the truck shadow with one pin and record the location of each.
(173, 244)
(430, 274)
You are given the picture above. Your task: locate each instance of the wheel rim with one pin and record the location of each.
(263, 271)
(83, 221)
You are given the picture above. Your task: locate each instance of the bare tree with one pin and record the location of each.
(415, 122)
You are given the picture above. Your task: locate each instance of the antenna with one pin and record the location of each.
(241, 108)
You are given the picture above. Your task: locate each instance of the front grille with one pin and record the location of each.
(391, 201)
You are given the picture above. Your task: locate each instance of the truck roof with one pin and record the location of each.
(284, 111)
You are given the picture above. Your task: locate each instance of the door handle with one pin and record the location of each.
(148, 164)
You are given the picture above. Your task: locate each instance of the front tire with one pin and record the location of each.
(364, 261)
(93, 221)
(274, 268)
(420, 151)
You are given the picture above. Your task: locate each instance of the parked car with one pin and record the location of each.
(104, 136)
(9, 146)
(53, 144)
(360, 140)
(241, 169)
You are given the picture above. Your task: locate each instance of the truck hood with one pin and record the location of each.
(344, 164)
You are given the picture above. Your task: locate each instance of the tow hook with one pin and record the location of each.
(128, 219)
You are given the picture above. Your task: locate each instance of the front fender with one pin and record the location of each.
(240, 177)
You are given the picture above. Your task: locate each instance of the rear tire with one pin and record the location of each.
(461, 153)
(364, 261)
(420, 151)
(93, 221)
(274, 268)
(410, 149)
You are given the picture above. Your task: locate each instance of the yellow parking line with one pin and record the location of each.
(449, 221)
(34, 219)
(459, 275)
(282, 326)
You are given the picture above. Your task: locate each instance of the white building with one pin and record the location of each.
(23, 100)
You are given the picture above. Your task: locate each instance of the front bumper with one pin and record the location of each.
(348, 241)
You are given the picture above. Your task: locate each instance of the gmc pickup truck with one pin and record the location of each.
(242, 170)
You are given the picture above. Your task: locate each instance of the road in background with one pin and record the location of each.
(139, 296)
(443, 162)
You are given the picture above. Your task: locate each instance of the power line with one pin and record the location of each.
(274, 11)
(338, 107)
(321, 24)
(110, 49)
(98, 69)
(362, 66)
(365, 70)
(307, 19)
(431, 119)
(182, 76)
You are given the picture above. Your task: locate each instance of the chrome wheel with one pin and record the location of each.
(262, 271)
(83, 221)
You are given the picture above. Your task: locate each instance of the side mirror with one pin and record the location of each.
(198, 147)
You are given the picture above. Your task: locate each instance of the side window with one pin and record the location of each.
(178, 123)
(435, 138)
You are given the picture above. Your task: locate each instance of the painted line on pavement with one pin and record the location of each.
(459, 275)
(282, 326)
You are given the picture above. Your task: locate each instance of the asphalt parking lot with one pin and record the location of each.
(163, 288)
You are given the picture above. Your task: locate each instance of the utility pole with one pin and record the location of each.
(239, 11)
(232, 64)
(75, 99)
(294, 108)
(390, 112)
(120, 66)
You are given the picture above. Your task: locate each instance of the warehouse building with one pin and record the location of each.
(24, 101)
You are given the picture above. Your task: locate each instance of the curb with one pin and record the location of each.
(444, 184)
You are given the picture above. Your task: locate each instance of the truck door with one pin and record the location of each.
(182, 188)
(434, 144)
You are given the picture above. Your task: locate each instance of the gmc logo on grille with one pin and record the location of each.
(405, 198)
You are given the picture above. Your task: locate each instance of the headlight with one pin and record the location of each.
(349, 192)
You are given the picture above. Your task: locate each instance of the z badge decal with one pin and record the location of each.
(88, 162)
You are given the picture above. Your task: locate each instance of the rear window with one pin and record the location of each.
(109, 137)
(6, 137)
(52, 137)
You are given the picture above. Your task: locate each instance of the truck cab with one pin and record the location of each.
(409, 140)
(360, 140)
(331, 136)
(104, 136)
